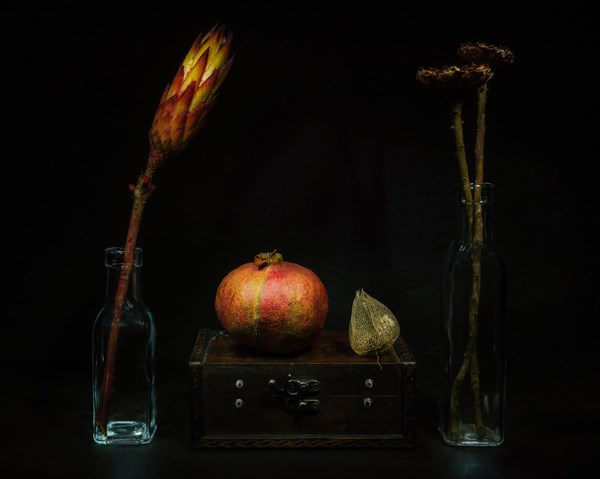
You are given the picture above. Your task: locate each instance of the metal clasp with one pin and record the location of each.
(294, 393)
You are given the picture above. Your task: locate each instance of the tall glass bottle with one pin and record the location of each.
(472, 401)
(127, 413)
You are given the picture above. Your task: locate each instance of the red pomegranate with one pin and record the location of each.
(272, 305)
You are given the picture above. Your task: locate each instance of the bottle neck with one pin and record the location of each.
(113, 261)
(475, 213)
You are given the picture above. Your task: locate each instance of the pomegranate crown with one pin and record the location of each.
(264, 259)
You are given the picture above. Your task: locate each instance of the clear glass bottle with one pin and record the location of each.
(472, 401)
(127, 414)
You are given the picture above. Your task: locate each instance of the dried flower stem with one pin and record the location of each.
(480, 134)
(141, 192)
(470, 359)
(477, 242)
(457, 127)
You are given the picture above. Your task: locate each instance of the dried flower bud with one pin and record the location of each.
(453, 79)
(188, 99)
(486, 54)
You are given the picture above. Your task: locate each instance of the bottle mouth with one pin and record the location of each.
(485, 191)
(115, 255)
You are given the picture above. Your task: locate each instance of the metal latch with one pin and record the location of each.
(294, 393)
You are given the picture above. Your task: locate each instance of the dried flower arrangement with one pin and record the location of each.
(481, 60)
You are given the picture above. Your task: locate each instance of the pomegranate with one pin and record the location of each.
(272, 305)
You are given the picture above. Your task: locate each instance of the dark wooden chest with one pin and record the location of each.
(327, 396)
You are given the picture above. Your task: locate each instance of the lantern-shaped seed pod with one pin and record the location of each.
(373, 327)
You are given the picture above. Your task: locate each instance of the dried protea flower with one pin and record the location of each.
(188, 99)
(180, 115)
(453, 79)
(486, 54)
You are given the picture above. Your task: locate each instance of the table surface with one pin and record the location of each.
(551, 431)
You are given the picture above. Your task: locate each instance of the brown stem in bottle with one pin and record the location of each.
(141, 192)
(470, 358)
(477, 244)
(457, 127)
(461, 156)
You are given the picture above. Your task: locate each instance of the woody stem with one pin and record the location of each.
(461, 156)
(141, 192)
(477, 243)
(457, 127)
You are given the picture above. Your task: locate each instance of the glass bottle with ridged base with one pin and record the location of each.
(472, 400)
(127, 414)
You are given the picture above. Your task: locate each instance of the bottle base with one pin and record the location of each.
(467, 436)
(125, 433)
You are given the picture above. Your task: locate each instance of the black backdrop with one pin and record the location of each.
(321, 145)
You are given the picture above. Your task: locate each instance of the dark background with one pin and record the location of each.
(321, 145)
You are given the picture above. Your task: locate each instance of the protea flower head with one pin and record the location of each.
(187, 100)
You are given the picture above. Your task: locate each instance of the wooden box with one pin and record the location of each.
(327, 396)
